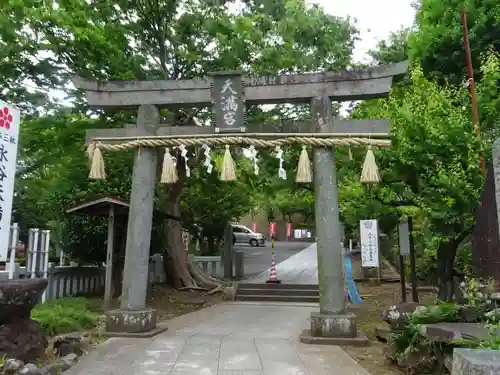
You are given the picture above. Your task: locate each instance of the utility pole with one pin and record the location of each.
(472, 88)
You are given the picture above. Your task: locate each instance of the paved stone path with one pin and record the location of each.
(301, 268)
(229, 339)
(258, 259)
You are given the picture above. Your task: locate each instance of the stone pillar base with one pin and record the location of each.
(132, 323)
(333, 329)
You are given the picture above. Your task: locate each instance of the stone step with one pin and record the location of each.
(276, 298)
(264, 286)
(276, 292)
(382, 332)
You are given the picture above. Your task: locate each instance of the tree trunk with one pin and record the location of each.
(445, 261)
(180, 274)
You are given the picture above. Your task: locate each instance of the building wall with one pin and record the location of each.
(263, 224)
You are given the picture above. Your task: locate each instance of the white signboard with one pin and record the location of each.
(297, 233)
(369, 243)
(404, 239)
(9, 135)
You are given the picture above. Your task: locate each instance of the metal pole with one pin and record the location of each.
(413, 266)
(472, 86)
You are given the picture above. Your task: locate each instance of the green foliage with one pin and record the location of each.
(433, 163)
(140, 40)
(410, 337)
(478, 293)
(437, 43)
(65, 315)
(492, 341)
(392, 50)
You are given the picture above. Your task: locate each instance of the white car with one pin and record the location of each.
(242, 234)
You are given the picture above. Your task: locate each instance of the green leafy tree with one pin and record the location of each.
(434, 160)
(437, 43)
(129, 40)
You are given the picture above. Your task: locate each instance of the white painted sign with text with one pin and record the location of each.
(369, 243)
(9, 137)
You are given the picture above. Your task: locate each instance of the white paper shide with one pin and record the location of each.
(9, 135)
(369, 243)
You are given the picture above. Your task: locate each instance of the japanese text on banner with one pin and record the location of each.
(9, 133)
(369, 243)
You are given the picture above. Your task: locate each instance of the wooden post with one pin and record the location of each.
(109, 258)
(414, 292)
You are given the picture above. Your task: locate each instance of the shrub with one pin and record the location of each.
(65, 315)
(410, 345)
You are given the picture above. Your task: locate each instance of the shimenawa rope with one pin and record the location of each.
(304, 173)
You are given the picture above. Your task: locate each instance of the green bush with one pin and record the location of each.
(65, 315)
(410, 336)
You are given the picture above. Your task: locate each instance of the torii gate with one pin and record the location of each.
(228, 94)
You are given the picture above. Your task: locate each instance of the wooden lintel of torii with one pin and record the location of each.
(344, 85)
(374, 128)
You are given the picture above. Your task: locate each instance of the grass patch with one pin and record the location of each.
(65, 315)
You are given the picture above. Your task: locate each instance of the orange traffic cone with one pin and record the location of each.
(273, 276)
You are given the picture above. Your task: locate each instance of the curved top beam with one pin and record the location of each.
(286, 88)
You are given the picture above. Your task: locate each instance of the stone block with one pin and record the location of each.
(360, 340)
(475, 362)
(334, 325)
(130, 321)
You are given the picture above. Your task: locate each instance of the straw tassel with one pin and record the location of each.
(304, 173)
(169, 170)
(97, 170)
(369, 174)
(228, 172)
(90, 153)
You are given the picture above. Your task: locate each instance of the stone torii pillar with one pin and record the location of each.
(331, 325)
(133, 318)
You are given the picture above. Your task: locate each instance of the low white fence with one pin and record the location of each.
(212, 265)
(65, 281)
(76, 279)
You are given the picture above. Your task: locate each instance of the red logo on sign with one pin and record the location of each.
(5, 118)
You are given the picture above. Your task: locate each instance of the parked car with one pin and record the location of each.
(242, 234)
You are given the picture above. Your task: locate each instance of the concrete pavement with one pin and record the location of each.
(258, 259)
(227, 339)
(301, 268)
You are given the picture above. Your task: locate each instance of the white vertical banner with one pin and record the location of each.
(369, 243)
(9, 136)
